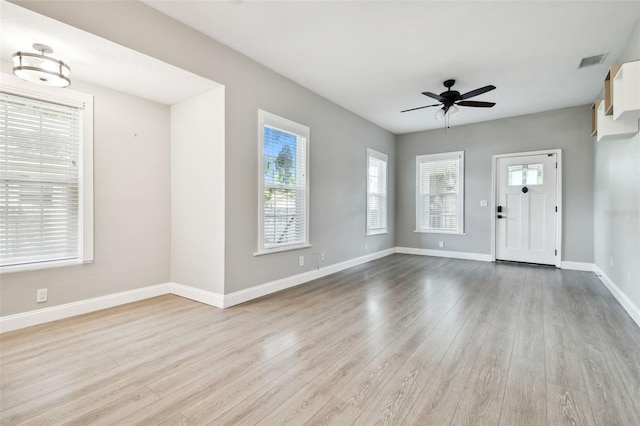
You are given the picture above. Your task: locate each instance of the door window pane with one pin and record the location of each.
(525, 174)
(534, 174)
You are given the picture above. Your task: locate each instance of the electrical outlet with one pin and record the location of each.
(322, 257)
(301, 261)
(366, 247)
(611, 262)
(441, 244)
(629, 277)
(41, 296)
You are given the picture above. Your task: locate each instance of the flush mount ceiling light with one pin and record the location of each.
(41, 69)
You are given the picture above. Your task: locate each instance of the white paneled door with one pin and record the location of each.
(526, 208)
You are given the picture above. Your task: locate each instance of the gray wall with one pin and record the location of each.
(338, 145)
(339, 138)
(567, 129)
(617, 203)
(131, 209)
(133, 251)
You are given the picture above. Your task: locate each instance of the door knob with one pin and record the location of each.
(501, 217)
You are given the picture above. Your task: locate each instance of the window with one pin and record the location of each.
(440, 193)
(46, 177)
(376, 192)
(525, 174)
(283, 184)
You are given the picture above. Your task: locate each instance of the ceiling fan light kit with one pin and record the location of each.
(40, 68)
(451, 99)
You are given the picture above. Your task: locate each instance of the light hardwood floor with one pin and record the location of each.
(402, 340)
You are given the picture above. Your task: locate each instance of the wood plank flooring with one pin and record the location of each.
(402, 340)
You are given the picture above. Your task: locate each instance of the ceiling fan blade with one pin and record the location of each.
(426, 106)
(477, 92)
(478, 104)
(434, 96)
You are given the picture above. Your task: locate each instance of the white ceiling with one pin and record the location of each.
(374, 58)
(95, 60)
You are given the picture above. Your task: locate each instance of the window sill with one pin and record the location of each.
(39, 266)
(437, 231)
(369, 234)
(281, 249)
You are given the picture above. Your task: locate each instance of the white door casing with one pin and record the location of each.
(527, 191)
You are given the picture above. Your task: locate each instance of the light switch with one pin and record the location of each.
(484, 203)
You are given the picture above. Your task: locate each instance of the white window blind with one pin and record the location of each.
(284, 183)
(440, 192)
(40, 149)
(376, 192)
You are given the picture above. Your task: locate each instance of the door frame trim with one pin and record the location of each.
(494, 183)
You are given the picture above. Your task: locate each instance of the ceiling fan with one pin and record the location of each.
(449, 99)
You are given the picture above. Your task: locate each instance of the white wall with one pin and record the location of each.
(131, 209)
(617, 206)
(198, 191)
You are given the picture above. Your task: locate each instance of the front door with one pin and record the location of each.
(526, 208)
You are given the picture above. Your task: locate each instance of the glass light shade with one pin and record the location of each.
(41, 69)
(453, 111)
(439, 113)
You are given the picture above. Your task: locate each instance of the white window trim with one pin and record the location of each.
(267, 118)
(13, 85)
(460, 199)
(383, 157)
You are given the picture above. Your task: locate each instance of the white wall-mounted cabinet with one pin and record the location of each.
(594, 116)
(608, 89)
(608, 128)
(626, 92)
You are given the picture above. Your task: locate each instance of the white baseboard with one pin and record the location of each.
(578, 266)
(443, 253)
(40, 316)
(575, 266)
(627, 304)
(251, 293)
(199, 295)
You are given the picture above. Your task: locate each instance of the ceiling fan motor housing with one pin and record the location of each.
(450, 96)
